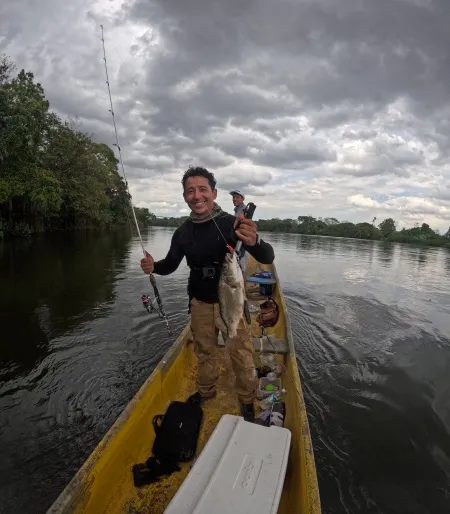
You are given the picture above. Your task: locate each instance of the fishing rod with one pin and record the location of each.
(152, 278)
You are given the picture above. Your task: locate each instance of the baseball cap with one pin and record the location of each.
(237, 192)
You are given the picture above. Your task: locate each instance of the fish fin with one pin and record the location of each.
(248, 318)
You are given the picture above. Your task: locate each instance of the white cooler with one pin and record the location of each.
(241, 470)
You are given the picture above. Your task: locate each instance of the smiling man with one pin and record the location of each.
(203, 240)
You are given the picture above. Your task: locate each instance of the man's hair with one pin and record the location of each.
(199, 172)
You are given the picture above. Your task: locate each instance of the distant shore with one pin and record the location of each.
(386, 231)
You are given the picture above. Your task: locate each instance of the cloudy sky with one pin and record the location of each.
(325, 107)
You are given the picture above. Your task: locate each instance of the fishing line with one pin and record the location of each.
(248, 214)
(152, 278)
(217, 226)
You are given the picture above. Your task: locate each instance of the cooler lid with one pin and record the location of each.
(240, 470)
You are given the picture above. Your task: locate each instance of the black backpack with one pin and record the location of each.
(177, 431)
(176, 436)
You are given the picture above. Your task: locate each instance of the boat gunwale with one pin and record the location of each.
(313, 483)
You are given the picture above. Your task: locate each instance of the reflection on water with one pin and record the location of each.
(76, 346)
(371, 323)
(52, 287)
(372, 328)
(385, 254)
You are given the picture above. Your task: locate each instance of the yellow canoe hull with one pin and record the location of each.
(104, 484)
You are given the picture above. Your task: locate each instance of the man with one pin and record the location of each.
(238, 202)
(202, 239)
(239, 208)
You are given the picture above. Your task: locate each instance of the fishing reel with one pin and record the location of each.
(148, 304)
(151, 307)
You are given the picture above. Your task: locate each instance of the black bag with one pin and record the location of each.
(177, 431)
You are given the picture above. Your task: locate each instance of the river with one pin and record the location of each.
(371, 323)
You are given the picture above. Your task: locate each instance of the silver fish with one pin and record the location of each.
(231, 294)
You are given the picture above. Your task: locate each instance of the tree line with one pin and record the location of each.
(386, 230)
(52, 175)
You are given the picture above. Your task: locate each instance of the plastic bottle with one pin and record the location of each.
(271, 377)
(277, 414)
(265, 415)
(270, 400)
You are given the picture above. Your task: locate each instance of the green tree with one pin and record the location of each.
(365, 230)
(387, 228)
(144, 216)
(52, 175)
(6, 68)
(427, 231)
(87, 172)
(307, 225)
(27, 188)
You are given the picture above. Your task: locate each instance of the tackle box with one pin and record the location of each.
(263, 381)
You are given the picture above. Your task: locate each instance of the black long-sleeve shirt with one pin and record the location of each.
(203, 245)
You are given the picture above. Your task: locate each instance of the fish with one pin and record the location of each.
(231, 294)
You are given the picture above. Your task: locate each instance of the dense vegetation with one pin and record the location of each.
(52, 176)
(386, 230)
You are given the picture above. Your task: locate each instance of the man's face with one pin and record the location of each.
(199, 195)
(237, 200)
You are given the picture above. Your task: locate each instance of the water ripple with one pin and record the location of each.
(371, 327)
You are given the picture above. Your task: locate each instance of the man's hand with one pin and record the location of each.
(246, 231)
(147, 264)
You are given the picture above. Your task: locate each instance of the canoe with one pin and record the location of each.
(104, 484)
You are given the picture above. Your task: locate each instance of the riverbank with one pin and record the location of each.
(414, 237)
(10, 229)
(331, 227)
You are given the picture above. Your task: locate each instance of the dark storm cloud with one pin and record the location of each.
(256, 63)
(283, 155)
(324, 52)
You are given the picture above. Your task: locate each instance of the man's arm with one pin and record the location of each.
(261, 251)
(173, 258)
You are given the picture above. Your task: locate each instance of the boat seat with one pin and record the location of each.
(241, 469)
(275, 346)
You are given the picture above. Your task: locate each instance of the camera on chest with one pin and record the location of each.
(209, 272)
